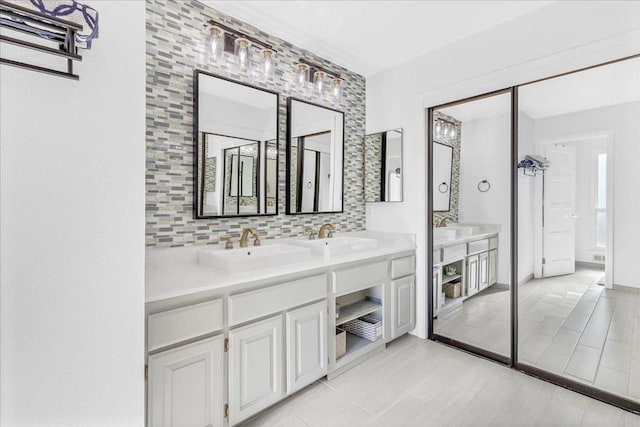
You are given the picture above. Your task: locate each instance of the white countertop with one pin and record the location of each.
(175, 272)
(485, 234)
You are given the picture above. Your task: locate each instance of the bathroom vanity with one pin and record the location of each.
(466, 255)
(231, 332)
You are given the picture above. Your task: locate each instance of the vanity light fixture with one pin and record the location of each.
(320, 78)
(222, 39)
(444, 130)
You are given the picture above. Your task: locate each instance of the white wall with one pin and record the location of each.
(622, 121)
(484, 155)
(514, 52)
(72, 234)
(526, 201)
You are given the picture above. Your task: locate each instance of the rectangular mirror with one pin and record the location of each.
(315, 153)
(383, 166)
(442, 168)
(236, 148)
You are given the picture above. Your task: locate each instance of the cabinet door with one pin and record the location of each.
(402, 305)
(493, 267)
(306, 345)
(185, 386)
(437, 289)
(483, 270)
(472, 275)
(256, 366)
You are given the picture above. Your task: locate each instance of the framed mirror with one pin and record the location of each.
(383, 166)
(442, 169)
(236, 148)
(315, 156)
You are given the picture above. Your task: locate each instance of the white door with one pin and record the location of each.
(255, 368)
(483, 270)
(493, 267)
(185, 386)
(559, 248)
(309, 181)
(402, 305)
(437, 289)
(472, 275)
(306, 345)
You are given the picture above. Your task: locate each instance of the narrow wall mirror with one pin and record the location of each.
(383, 166)
(236, 148)
(442, 177)
(315, 154)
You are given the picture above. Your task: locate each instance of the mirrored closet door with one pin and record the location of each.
(470, 153)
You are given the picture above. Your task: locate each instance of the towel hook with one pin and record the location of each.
(484, 186)
(443, 188)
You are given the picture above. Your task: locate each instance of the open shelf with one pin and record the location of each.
(356, 347)
(451, 278)
(355, 310)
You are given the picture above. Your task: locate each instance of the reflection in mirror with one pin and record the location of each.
(315, 158)
(237, 150)
(383, 166)
(442, 170)
(471, 240)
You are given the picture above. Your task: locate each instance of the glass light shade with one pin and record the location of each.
(454, 132)
(445, 131)
(215, 42)
(438, 129)
(242, 49)
(337, 89)
(303, 75)
(268, 66)
(318, 82)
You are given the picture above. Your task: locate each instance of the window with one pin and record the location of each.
(601, 201)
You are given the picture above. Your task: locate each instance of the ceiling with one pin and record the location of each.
(369, 37)
(614, 84)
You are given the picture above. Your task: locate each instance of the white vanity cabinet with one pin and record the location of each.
(185, 386)
(256, 363)
(483, 270)
(437, 289)
(403, 305)
(306, 344)
(493, 267)
(472, 275)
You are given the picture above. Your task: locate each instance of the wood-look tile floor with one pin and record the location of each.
(416, 382)
(568, 325)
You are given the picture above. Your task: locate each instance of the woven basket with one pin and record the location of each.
(367, 327)
(341, 342)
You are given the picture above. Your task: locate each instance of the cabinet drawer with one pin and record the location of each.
(454, 253)
(493, 243)
(478, 246)
(436, 257)
(403, 266)
(359, 277)
(261, 302)
(180, 324)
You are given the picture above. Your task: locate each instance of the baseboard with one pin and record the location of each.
(527, 278)
(590, 265)
(630, 289)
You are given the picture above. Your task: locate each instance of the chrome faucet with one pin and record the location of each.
(322, 230)
(245, 235)
(442, 222)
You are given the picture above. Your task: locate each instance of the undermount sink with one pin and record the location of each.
(253, 258)
(455, 231)
(338, 245)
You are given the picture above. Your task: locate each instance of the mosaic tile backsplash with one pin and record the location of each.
(175, 47)
(452, 214)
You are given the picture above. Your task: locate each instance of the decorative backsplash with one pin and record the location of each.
(452, 215)
(175, 47)
(373, 159)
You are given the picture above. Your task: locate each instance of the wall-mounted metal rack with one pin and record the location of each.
(39, 27)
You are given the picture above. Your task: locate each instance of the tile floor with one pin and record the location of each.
(416, 382)
(568, 325)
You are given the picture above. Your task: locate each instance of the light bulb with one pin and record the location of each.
(268, 63)
(446, 130)
(215, 42)
(303, 75)
(337, 89)
(438, 129)
(243, 53)
(454, 132)
(318, 82)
